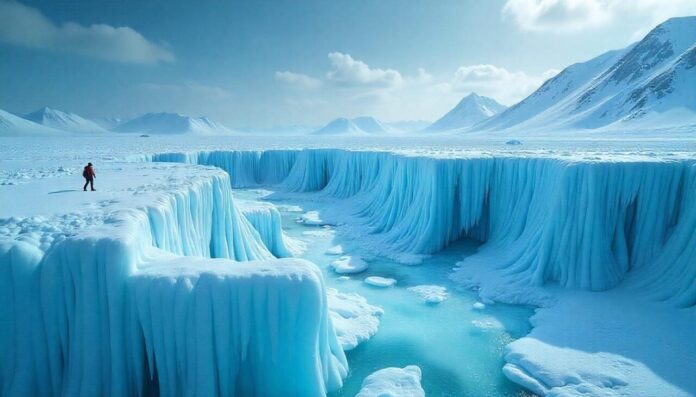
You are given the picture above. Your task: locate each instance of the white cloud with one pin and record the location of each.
(496, 82)
(352, 72)
(298, 80)
(573, 15)
(25, 26)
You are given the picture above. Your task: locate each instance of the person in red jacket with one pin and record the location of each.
(89, 175)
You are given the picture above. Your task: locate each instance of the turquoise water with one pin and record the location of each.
(456, 357)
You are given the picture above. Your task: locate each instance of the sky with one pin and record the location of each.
(262, 64)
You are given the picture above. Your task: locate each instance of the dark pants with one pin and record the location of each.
(89, 181)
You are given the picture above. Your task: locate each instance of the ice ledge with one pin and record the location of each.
(95, 299)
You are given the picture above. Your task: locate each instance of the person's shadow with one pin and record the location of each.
(63, 191)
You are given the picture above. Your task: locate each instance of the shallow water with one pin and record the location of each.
(457, 357)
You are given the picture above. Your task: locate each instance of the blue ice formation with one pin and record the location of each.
(265, 219)
(587, 224)
(116, 309)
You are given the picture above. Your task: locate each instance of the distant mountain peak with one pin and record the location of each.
(470, 110)
(172, 123)
(12, 125)
(363, 125)
(61, 120)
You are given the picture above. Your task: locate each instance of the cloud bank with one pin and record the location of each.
(574, 15)
(28, 27)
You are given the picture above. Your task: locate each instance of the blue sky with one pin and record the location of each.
(265, 63)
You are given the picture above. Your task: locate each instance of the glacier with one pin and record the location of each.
(556, 227)
(586, 223)
(165, 287)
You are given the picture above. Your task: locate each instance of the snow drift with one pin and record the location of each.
(581, 223)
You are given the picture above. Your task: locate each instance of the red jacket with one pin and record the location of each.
(89, 172)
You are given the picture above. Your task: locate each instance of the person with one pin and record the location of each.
(89, 175)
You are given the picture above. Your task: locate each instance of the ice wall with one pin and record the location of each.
(265, 218)
(583, 223)
(115, 310)
(246, 168)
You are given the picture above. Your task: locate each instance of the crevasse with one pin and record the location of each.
(586, 224)
(115, 309)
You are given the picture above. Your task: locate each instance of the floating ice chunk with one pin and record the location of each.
(393, 382)
(478, 306)
(289, 208)
(335, 250)
(487, 324)
(354, 320)
(312, 218)
(381, 282)
(343, 278)
(430, 293)
(513, 142)
(318, 233)
(349, 264)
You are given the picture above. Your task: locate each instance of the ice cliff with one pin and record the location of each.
(587, 223)
(126, 300)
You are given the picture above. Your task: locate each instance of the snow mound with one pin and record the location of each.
(393, 382)
(349, 264)
(354, 319)
(381, 282)
(430, 293)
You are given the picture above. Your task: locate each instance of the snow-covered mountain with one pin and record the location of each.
(409, 125)
(470, 110)
(108, 123)
(172, 123)
(650, 82)
(357, 126)
(60, 120)
(11, 125)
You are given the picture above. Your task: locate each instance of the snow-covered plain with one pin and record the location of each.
(570, 226)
